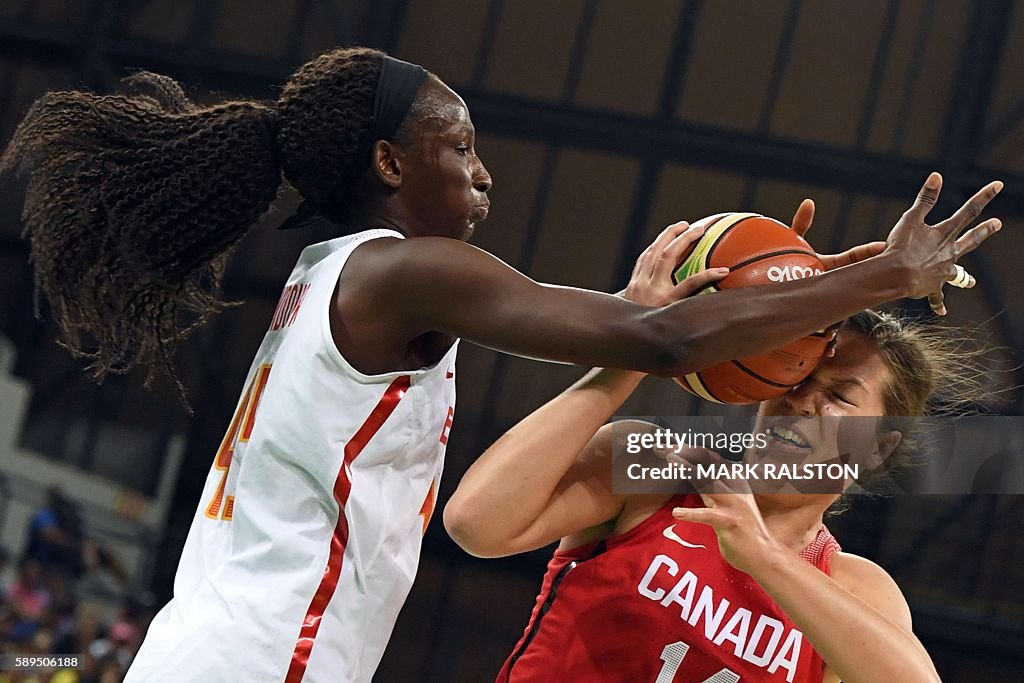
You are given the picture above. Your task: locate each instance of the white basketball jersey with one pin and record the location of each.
(307, 539)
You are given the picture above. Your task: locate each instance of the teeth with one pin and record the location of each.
(789, 435)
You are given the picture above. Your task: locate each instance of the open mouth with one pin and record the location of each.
(789, 437)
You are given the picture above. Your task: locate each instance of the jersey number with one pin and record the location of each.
(673, 655)
(222, 507)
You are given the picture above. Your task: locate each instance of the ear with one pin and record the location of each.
(387, 163)
(887, 443)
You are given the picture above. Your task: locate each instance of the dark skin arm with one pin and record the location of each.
(395, 294)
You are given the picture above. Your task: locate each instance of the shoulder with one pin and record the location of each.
(856, 572)
(873, 585)
(421, 251)
(401, 270)
(636, 508)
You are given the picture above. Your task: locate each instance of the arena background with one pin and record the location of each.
(600, 121)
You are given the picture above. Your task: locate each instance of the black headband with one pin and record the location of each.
(397, 86)
(396, 90)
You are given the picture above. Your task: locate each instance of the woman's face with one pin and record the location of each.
(443, 182)
(834, 416)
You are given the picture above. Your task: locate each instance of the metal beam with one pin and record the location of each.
(987, 33)
(384, 21)
(781, 62)
(560, 124)
(337, 14)
(95, 68)
(488, 36)
(672, 85)
(885, 175)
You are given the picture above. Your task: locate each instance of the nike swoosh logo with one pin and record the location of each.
(671, 535)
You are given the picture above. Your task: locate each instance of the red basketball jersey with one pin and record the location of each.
(659, 604)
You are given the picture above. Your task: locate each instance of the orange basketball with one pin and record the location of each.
(758, 251)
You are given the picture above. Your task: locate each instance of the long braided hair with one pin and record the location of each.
(136, 199)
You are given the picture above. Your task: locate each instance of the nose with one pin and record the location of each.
(481, 178)
(802, 399)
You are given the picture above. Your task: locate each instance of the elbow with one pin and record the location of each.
(671, 351)
(894, 667)
(929, 674)
(467, 529)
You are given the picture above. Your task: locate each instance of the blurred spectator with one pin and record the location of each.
(40, 615)
(41, 643)
(126, 637)
(56, 539)
(87, 630)
(22, 677)
(110, 671)
(66, 676)
(28, 595)
(55, 535)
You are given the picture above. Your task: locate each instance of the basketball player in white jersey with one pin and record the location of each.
(307, 537)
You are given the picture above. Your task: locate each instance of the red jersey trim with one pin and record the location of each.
(342, 488)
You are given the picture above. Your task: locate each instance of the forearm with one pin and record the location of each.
(511, 484)
(855, 640)
(736, 323)
(700, 331)
(488, 303)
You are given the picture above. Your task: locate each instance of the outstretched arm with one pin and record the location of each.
(435, 284)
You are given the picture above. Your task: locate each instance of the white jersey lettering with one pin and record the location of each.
(759, 646)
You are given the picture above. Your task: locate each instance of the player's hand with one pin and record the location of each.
(651, 282)
(731, 510)
(928, 253)
(802, 220)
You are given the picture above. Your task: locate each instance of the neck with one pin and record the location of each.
(377, 218)
(794, 523)
(384, 210)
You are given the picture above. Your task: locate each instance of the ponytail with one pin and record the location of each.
(133, 203)
(136, 199)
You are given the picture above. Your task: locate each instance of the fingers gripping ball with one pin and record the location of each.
(758, 251)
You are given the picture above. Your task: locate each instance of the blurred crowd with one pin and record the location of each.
(44, 611)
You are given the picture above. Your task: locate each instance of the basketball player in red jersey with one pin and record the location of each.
(337, 444)
(641, 590)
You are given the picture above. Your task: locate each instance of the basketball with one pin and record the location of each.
(758, 251)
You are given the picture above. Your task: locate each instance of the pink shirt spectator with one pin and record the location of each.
(29, 600)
